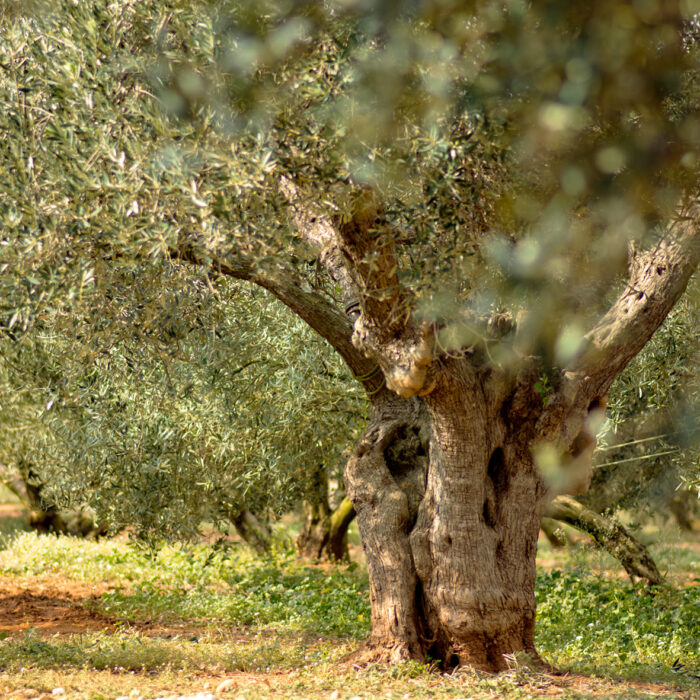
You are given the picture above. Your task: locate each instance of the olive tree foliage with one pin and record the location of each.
(502, 197)
(154, 396)
(648, 458)
(134, 129)
(173, 408)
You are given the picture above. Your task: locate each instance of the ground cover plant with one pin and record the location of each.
(103, 619)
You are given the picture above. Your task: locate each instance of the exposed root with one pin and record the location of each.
(375, 651)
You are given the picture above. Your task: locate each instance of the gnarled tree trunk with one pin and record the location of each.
(451, 555)
(384, 478)
(476, 537)
(457, 579)
(451, 560)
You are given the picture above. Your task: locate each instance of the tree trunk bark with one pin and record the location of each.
(324, 534)
(609, 535)
(384, 478)
(476, 537)
(451, 555)
(450, 521)
(681, 505)
(313, 536)
(252, 530)
(43, 517)
(340, 520)
(451, 561)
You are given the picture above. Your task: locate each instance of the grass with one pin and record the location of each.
(591, 624)
(282, 628)
(203, 583)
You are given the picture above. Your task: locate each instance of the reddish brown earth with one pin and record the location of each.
(51, 606)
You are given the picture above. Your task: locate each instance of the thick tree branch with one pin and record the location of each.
(357, 249)
(310, 306)
(318, 231)
(608, 534)
(657, 279)
(358, 253)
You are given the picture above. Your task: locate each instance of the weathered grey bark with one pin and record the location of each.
(312, 540)
(384, 478)
(475, 539)
(610, 535)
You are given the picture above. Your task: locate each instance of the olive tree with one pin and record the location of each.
(487, 209)
(164, 415)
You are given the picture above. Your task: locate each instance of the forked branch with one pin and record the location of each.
(358, 252)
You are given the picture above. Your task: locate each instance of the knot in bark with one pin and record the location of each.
(405, 363)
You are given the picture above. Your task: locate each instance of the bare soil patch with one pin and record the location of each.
(46, 608)
(53, 604)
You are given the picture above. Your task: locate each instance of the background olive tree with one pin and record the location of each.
(177, 411)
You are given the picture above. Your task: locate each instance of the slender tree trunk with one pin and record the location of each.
(681, 505)
(313, 536)
(340, 520)
(324, 533)
(43, 517)
(252, 530)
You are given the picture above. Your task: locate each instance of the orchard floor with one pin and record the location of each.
(59, 641)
